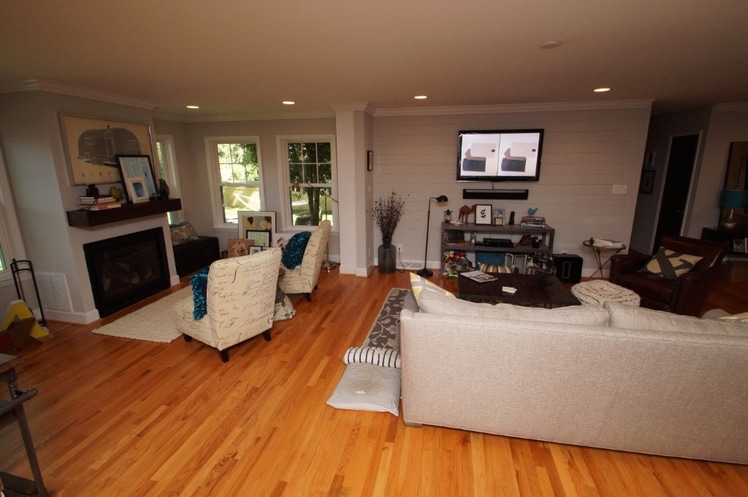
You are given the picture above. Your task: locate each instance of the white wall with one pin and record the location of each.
(587, 149)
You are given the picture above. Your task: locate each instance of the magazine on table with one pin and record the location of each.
(479, 276)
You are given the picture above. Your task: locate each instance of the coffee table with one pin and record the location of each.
(533, 290)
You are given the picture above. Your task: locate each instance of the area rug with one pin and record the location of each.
(152, 323)
(383, 332)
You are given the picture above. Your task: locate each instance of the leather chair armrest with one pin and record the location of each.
(626, 263)
(690, 291)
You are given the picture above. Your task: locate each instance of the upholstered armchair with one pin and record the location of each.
(239, 302)
(683, 294)
(303, 278)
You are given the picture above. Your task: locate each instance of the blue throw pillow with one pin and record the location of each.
(199, 282)
(294, 251)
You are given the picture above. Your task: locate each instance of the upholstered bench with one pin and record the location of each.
(192, 252)
(597, 292)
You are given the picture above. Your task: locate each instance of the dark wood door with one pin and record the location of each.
(677, 186)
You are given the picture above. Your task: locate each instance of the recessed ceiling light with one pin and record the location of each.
(289, 102)
(602, 89)
(193, 106)
(550, 44)
(421, 97)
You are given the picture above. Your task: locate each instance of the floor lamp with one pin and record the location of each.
(327, 264)
(425, 271)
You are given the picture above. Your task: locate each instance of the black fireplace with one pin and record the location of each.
(127, 269)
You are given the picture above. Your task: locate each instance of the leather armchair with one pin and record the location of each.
(683, 295)
(303, 278)
(240, 300)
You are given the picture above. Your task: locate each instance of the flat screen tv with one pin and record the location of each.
(504, 155)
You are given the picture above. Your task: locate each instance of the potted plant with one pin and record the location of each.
(387, 213)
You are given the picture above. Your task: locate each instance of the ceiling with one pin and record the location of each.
(241, 58)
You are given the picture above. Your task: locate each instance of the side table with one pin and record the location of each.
(598, 249)
(14, 408)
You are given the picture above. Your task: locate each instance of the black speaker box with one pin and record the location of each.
(568, 267)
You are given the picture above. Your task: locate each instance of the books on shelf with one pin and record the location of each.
(479, 276)
(98, 203)
(532, 222)
(96, 200)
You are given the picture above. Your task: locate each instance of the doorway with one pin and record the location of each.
(675, 192)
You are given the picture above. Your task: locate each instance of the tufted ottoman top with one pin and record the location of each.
(597, 292)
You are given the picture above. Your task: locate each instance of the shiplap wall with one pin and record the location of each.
(587, 149)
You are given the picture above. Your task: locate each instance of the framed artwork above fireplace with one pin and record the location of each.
(92, 146)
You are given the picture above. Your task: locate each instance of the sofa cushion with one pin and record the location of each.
(639, 318)
(670, 264)
(293, 253)
(418, 284)
(435, 303)
(366, 387)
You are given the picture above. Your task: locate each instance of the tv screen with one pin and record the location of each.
(511, 155)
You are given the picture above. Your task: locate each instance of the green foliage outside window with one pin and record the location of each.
(311, 165)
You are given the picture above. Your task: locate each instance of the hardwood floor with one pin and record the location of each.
(118, 417)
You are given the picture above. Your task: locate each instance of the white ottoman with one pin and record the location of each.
(597, 292)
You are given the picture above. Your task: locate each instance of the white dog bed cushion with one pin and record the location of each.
(366, 387)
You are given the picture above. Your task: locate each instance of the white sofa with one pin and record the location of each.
(617, 377)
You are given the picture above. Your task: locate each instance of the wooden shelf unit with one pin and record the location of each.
(88, 218)
(504, 231)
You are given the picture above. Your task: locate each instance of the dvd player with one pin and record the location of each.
(498, 242)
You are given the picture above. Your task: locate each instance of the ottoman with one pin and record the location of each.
(597, 292)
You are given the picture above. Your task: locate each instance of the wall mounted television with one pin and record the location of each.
(503, 155)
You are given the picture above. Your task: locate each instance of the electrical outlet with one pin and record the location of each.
(399, 247)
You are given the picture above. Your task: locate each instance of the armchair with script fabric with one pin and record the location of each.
(303, 278)
(240, 302)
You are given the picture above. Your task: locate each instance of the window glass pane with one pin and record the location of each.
(3, 267)
(240, 179)
(311, 162)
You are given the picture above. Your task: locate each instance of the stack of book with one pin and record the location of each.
(98, 203)
(533, 222)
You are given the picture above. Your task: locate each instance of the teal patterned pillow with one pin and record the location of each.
(294, 251)
(199, 282)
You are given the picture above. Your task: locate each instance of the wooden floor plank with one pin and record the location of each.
(122, 417)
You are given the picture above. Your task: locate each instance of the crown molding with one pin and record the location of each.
(513, 108)
(732, 107)
(53, 86)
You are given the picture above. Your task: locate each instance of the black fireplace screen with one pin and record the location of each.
(127, 269)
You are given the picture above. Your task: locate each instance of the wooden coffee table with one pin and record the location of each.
(532, 290)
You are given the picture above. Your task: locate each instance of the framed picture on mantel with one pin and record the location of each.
(137, 176)
(92, 146)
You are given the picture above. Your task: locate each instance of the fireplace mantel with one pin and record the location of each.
(88, 219)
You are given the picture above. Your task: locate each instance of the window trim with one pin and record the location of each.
(170, 167)
(282, 142)
(214, 175)
(10, 229)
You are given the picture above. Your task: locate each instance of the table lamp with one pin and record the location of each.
(732, 199)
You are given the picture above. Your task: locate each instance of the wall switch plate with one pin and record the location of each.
(620, 189)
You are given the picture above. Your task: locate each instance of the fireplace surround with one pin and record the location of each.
(127, 269)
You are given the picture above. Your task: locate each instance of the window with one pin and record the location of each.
(167, 169)
(310, 165)
(10, 233)
(235, 174)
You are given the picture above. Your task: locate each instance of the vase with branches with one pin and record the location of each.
(387, 212)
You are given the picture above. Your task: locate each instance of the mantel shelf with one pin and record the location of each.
(89, 219)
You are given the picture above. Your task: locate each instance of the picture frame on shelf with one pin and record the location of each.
(137, 172)
(498, 217)
(252, 225)
(738, 245)
(255, 250)
(483, 214)
(92, 145)
(137, 190)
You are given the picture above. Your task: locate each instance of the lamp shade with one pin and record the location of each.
(733, 199)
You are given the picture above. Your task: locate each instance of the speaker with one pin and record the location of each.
(568, 267)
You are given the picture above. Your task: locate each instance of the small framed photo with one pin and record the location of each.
(261, 238)
(738, 245)
(369, 160)
(255, 250)
(483, 214)
(137, 190)
(498, 217)
(137, 170)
